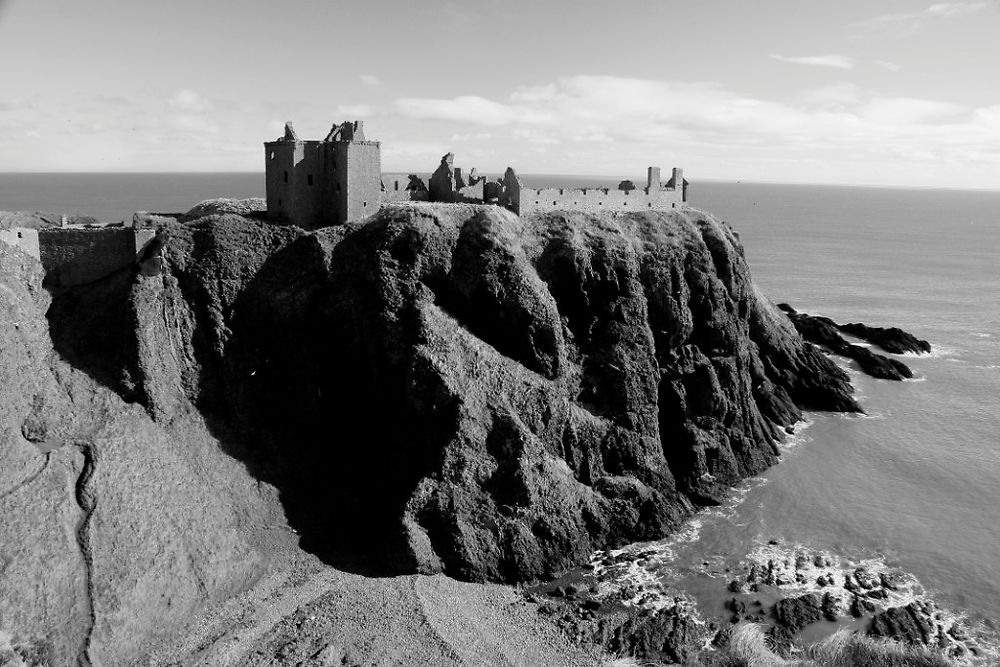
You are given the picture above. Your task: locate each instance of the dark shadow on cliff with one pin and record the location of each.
(92, 327)
(300, 402)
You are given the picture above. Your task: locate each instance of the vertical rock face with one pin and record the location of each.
(454, 388)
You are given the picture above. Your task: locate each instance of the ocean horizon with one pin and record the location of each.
(114, 196)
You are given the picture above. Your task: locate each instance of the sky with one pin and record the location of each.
(886, 92)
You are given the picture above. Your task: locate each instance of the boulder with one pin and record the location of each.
(908, 624)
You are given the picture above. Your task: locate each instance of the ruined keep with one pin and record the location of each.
(319, 183)
(337, 180)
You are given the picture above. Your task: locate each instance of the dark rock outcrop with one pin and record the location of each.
(796, 613)
(892, 339)
(910, 624)
(793, 614)
(666, 635)
(495, 397)
(825, 332)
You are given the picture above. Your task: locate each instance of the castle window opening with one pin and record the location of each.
(364, 204)
(553, 202)
(309, 179)
(272, 155)
(20, 235)
(286, 177)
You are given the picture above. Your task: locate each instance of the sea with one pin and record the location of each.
(914, 482)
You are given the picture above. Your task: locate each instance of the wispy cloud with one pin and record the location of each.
(189, 101)
(885, 64)
(470, 109)
(354, 111)
(913, 21)
(370, 80)
(614, 120)
(832, 60)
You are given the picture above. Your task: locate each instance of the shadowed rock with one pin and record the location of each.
(825, 332)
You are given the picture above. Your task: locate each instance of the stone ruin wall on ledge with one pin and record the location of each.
(80, 256)
(598, 199)
(23, 238)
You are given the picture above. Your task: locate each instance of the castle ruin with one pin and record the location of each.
(337, 180)
(321, 183)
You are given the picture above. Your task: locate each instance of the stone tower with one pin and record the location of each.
(319, 183)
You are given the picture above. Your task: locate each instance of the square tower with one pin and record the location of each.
(319, 183)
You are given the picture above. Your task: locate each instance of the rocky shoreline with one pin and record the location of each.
(824, 332)
(622, 603)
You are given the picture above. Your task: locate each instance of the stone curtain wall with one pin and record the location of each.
(81, 256)
(597, 199)
(24, 239)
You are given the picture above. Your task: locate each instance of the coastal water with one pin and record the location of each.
(916, 481)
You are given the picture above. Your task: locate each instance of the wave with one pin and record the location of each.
(937, 352)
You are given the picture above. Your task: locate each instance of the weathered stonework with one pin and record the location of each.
(77, 256)
(319, 183)
(337, 180)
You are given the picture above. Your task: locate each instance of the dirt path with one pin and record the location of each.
(313, 615)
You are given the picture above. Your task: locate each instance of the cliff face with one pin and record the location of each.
(441, 388)
(113, 529)
(453, 388)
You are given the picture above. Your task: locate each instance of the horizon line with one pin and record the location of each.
(706, 179)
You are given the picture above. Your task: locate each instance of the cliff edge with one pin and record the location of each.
(437, 389)
(454, 388)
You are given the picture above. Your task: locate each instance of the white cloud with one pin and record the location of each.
(910, 111)
(885, 64)
(192, 123)
(832, 60)
(836, 95)
(916, 20)
(471, 136)
(189, 101)
(611, 122)
(354, 111)
(370, 80)
(469, 109)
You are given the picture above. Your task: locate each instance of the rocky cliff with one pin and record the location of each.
(454, 388)
(441, 388)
